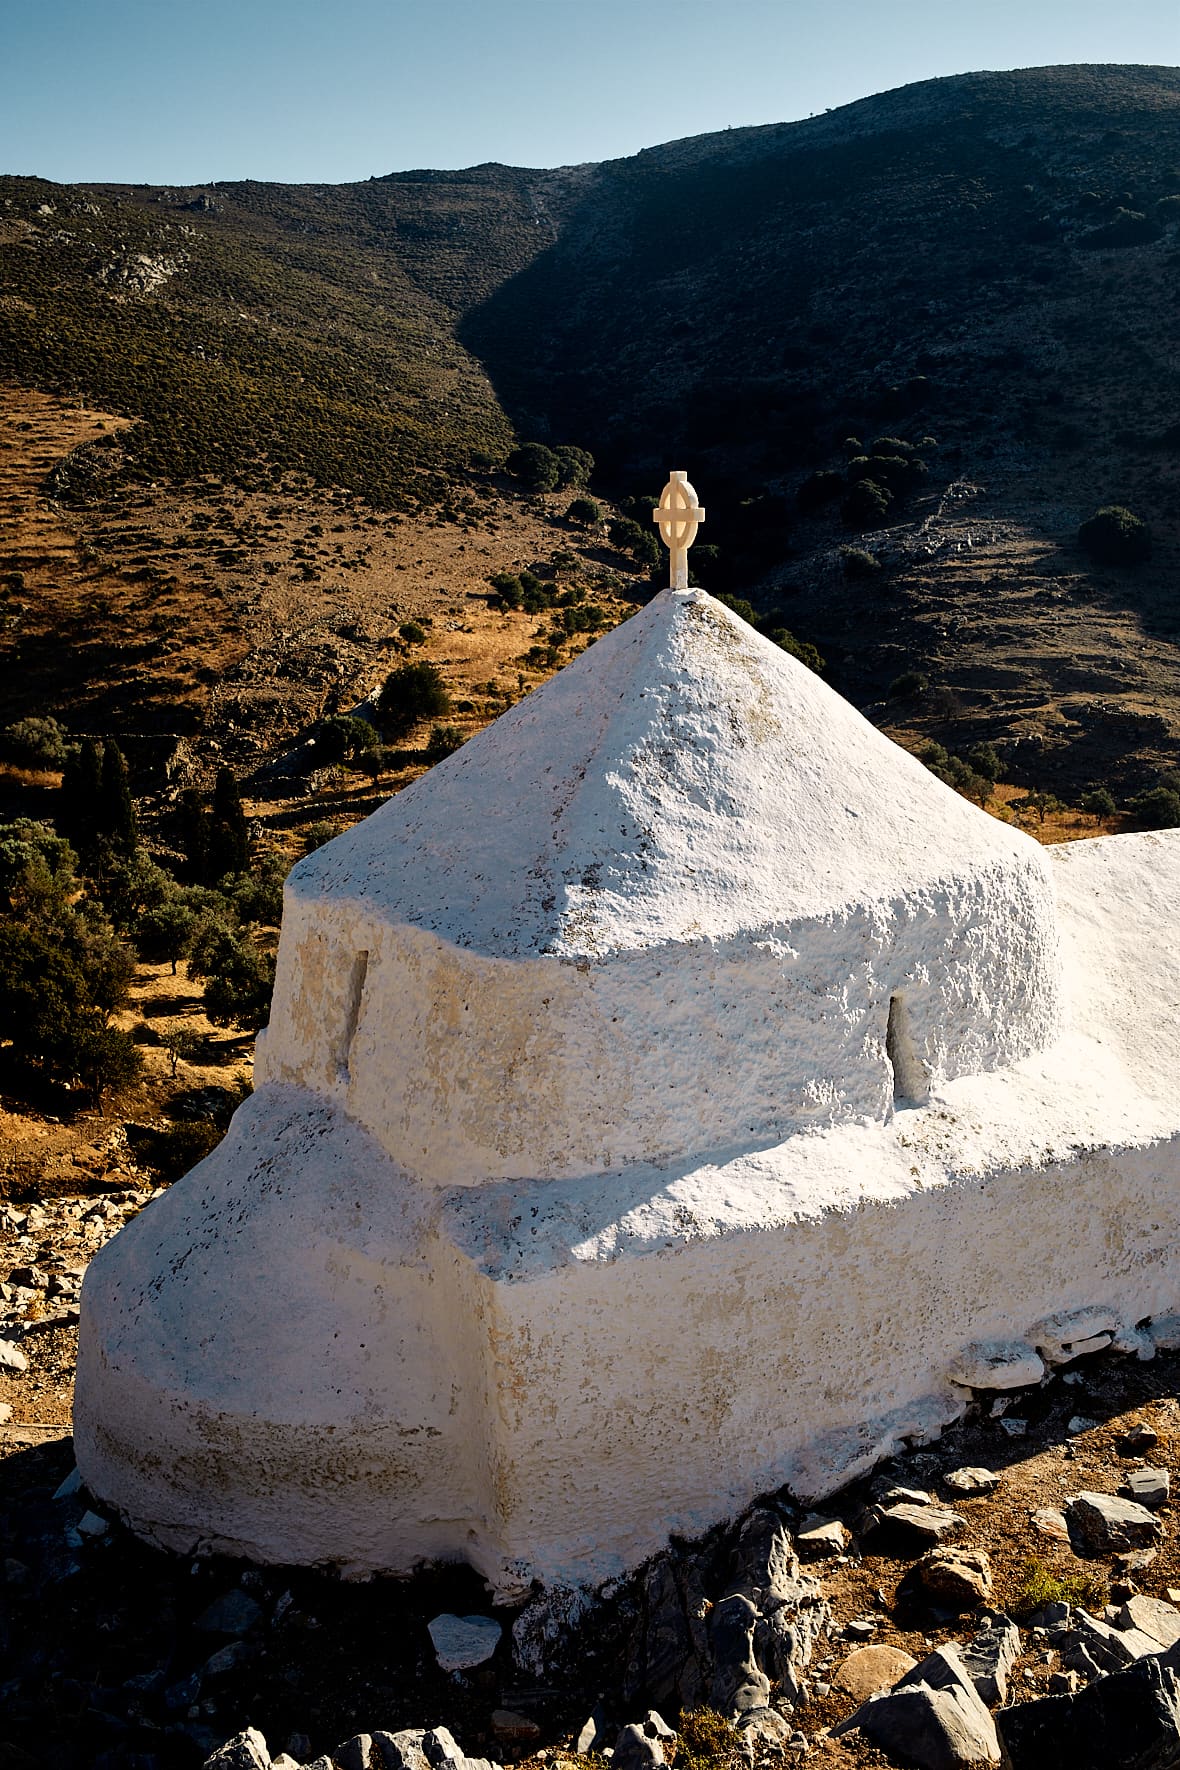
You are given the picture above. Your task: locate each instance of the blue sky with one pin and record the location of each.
(151, 91)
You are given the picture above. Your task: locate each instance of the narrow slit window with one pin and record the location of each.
(352, 1012)
(910, 1085)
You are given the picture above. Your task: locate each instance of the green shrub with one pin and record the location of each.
(412, 633)
(317, 834)
(1040, 1586)
(897, 473)
(343, 738)
(858, 563)
(798, 648)
(537, 467)
(37, 871)
(629, 537)
(36, 743)
(229, 834)
(1044, 804)
(865, 504)
(740, 606)
(411, 693)
(443, 741)
(175, 1148)
(910, 682)
(985, 761)
(585, 511)
(956, 772)
(238, 977)
(1157, 809)
(536, 594)
(105, 1058)
(1114, 535)
(507, 588)
(703, 563)
(1099, 803)
(162, 934)
(574, 466)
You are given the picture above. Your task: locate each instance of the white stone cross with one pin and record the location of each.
(678, 515)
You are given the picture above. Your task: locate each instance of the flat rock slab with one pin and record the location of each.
(1048, 1521)
(461, 1642)
(1102, 1524)
(1150, 1487)
(1152, 1616)
(972, 1481)
(819, 1539)
(871, 1670)
(929, 1524)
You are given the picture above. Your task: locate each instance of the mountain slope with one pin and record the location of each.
(983, 266)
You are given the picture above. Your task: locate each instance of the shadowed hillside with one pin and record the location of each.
(962, 292)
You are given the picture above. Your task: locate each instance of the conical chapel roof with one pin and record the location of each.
(683, 779)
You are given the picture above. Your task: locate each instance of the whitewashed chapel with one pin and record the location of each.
(676, 1093)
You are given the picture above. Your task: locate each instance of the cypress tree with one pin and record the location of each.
(194, 833)
(116, 811)
(80, 794)
(229, 837)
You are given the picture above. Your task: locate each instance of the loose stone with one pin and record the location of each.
(245, 1751)
(819, 1539)
(1050, 1522)
(11, 1357)
(634, 1750)
(957, 1579)
(461, 1642)
(1103, 1524)
(928, 1523)
(1129, 1717)
(972, 1481)
(1149, 1486)
(871, 1670)
(1153, 1617)
(514, 1729)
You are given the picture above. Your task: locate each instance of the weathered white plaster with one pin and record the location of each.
(580, 1210)
(671, 896)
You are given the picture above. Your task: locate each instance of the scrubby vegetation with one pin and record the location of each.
(411, 694)
(81, 902)
(1040, 1585)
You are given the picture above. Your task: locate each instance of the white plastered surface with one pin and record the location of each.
(303, 1354)
(658, 911)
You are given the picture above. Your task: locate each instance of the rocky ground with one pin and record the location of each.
(118, 1657)
(202, 623)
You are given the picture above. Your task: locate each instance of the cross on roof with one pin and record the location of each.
(678, 516)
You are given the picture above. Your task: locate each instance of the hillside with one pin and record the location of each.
(983, 267)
